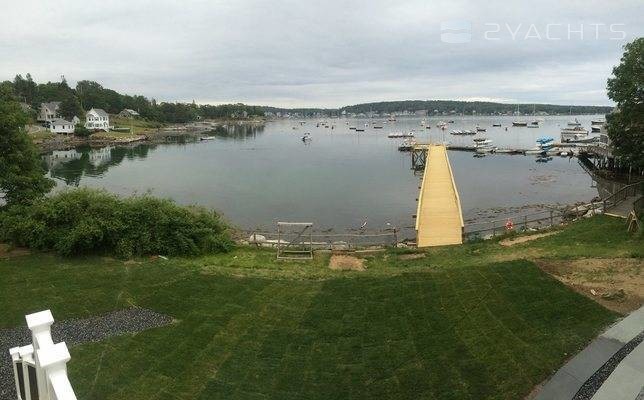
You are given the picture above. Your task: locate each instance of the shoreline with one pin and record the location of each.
(192, 129)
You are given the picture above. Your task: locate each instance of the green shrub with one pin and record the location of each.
(81, 131)
(88, 221)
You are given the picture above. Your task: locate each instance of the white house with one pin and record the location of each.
(48, 111)
(97, 119)
(59, 125)
(128, 113)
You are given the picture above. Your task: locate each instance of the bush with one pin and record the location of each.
(81, 131)
(87, 221)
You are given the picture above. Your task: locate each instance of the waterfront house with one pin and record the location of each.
(97, 119)
(59, 125)
(128, 113)
(75, 120)
(48, 111)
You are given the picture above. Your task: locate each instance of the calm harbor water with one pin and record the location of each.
(258, 175)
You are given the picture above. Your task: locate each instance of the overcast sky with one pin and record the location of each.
(324, 53)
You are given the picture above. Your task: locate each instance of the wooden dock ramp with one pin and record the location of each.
(439, 220)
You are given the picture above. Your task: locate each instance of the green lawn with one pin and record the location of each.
(468, 322)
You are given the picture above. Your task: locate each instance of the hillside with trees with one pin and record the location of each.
(90, 94)
(470, 108)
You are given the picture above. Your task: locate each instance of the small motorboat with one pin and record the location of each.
(359, 129)
(306, 137)
(597, 122)
(207, 138)
(479, 129)
(496, 125)
(595, 129)
(353, 128)
(519, 123)
(482, 145)
(573, 133)
(407, 145)
(400, 135)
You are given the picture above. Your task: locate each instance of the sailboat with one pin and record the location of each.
(519, 123)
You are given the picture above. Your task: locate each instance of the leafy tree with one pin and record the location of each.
(626, 88)
(22, 177)
(70, 107)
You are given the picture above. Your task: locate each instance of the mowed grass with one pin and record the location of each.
(470, 322)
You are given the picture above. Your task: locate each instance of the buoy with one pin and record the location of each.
(508, 224)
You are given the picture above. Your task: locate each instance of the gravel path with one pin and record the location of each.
(73, 332)
(588, 389)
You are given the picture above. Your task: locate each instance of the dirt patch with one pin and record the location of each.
(342, 262)
(523, 239)
(411, 256)
(7, 251)
(616, 283)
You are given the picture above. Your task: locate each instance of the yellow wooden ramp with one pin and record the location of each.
(439, 220)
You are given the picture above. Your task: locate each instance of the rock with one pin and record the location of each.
(255, 238)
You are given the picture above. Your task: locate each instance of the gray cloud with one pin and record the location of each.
(298, 53)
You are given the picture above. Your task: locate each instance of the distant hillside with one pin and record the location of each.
(469, 107)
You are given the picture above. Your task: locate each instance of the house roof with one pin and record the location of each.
(99, 111)
(52, 105)
(129, 110)
(60, 121)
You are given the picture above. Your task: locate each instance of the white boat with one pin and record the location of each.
(597, 122)
(574, 123)
(400, 135)
(407, 145)
(482, 145)
(208, 138)
(441, 124)
(519, 123)
(572, 133)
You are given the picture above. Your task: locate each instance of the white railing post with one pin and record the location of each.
(40, 326)
(53, 361)
(40, 369)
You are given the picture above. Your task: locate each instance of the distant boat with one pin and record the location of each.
(519, 123)
(479, 129)
(496, 125)
(441, 124)
(574, 123)
(407, 145)
(207, 138)
(573, 133)
(377, 127)
(598, 122)
(534, 123)
(352, 127)
(595, 129)
(359, 129)
(462, 132)
(306, 137)
(483, 145)
(400, 135)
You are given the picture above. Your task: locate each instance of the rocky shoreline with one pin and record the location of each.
(189, 130)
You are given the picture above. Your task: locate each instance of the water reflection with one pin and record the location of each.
(238, 132)
(71, 165)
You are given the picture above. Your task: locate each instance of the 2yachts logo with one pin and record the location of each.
(461, 31)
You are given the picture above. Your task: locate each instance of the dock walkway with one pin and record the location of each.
(439, 220)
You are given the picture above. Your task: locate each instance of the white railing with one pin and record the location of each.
(40, 369)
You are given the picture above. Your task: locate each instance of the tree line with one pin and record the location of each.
(470, 107)
(89, 94)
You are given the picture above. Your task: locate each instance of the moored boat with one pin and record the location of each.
(400, 135)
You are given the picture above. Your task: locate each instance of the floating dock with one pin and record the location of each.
(439, 219)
